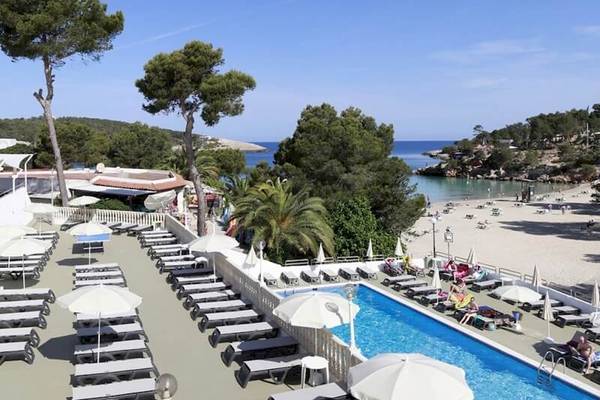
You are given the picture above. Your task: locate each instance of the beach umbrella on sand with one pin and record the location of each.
(535, 279)
(518, 294)
(596, 296)
(100, 300)
(251, 259)
(317, 310)
(370, 250)
(395, 376)
(22, 248)
(471, 258)
(398, 252)
(548, 315)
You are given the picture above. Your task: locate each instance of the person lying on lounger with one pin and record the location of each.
(584, 349)
(471, 311)
(458, 291)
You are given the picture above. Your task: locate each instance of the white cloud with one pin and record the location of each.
(490, 49)
(165, 35)
(484, 83)
(593, 30)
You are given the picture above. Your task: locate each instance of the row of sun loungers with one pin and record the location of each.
(328, 273)
(21, 311)
(31, 265)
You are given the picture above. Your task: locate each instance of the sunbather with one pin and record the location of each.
(471, 311)
(585, 350)
(458, 291)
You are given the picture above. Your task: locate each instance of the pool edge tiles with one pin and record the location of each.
(518, 357)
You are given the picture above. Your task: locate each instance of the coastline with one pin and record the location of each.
(520, 238)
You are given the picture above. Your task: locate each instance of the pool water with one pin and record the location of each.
(384, 325)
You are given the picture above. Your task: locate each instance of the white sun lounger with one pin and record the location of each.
(290, 278)
(173, 265)
(93, 282)
(23, 319)
(111, 350)
(329, 391)
(187, 280)
(396, 279)
(349, 273)
(97, 267)
(81, 276)
(489, 284)
(140, 229)
(111, 225)
(152, 242)
(28, 294)
(536, 305)
(122, 332)
(221, 295)
(252, 331)
(17, 350)
(249, 349)
(216, 306)
(86, 320)
(16, 306)
(211, 320)
(569, 319)
(171, 251)
(116, 390)
(183, 257)
(269, 279)
(92, 373)
(420, 290)
(184, 290)
(155, 235)
(310, 276)
(330, 275)
(367, 272)
(17, 262)
(273, 368)
(187, 272)
(124, 227)
(409, 284)
(17, 272)
(153, 232)
(20, 335)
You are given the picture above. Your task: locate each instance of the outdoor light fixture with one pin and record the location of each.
(448, 238)
(261, 247)
(166, 387)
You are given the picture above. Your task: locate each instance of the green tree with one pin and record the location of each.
(139, 146)
(354, 225)
(110, 204)
(290, 223)
(72, 135)
(236, 188)
(228, 161)
(465, 146)
(54, 31)
(588, 172)
(500, 157)
(188, 81)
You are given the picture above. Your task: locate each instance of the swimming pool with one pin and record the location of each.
(385, 325)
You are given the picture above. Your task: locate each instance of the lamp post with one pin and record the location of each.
(166, 387)
(434, 221)
(449, 238)
(261, 246)
(350, 291)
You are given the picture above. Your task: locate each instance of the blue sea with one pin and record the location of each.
(435, 188)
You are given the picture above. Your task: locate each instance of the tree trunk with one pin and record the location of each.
(194, 174)
(46, 104)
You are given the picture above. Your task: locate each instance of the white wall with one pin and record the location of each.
(12, 208)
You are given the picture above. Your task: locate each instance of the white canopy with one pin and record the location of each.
(213, 243)
(8, 232)
(13, 160)
(519, 294)
(159, 200)
(89, 229)
(390, 376)
(83, 201)
(23, 247)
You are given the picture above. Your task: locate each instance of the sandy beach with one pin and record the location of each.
(520, 237)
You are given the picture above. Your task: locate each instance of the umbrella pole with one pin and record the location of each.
(23, 269)
(89, 253)
(214, 269)
(99, 327)
(315, 329)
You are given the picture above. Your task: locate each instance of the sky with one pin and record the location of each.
(434, 69)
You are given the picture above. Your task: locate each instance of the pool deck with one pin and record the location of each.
(178, 347)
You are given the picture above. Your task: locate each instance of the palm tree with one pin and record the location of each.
(236, 188)
(289, 223)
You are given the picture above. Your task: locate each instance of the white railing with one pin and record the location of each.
(325, 343)
(65, 214)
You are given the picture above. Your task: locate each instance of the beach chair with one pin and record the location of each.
(433, 298)
(330, 274)
(173, 265)
(330, 391)
(420, 291)
(349, 273)
(218, 306)
(187, 272)
(28, 294)
(140, 228)
(97, 267)
(115, 332)
(17, 306)
(367, 272)
(23, 319)
(153, 232)
(398, 286)
(536, 305)
(124, 227)
(17, 272)
(488, 285)
(562, 310)
(210, 320)
(110, 351)
(290, 278)
(572, 359)
(310, 276)
(251, 349)
(230, 333)
(179, 281)
(93, 282)
(159, 241)
(186, 290)
(593, 334)
(134, 389)
(111, 225)
(170, 251)
(16, 350)
(276, 369)
(269, 279)
(183, 257)
(145, 239)
(222, 295)
(20, 335)
(85, 320)
(81, 276)
(397, 279)
(120, 370)
(569, 319)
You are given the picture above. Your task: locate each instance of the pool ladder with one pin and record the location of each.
(545, 372)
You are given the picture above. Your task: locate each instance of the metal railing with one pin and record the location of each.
(73, 214)
(324, 342)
